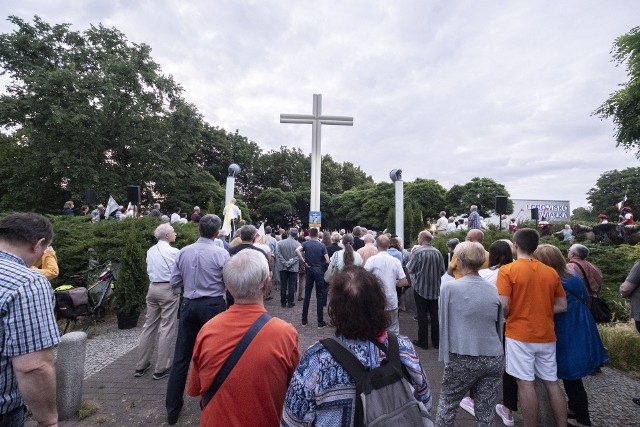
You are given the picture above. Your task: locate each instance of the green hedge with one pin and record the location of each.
(73, 236)
(614, 261)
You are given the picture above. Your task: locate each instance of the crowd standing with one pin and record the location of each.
(498, 318)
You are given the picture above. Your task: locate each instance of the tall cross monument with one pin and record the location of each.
(316, 120)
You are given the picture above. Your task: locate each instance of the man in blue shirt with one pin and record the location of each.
(198, 270)
(474, 218)
(29, 330)
(315, 256)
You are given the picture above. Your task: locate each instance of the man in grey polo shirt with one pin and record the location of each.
(198, 270)
(426, 267)
(287, 264)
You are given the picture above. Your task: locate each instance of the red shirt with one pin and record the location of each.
(253, 393)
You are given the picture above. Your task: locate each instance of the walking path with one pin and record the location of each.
(122, 400)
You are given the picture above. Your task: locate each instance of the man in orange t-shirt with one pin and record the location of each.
(531, 293)
(253, 393)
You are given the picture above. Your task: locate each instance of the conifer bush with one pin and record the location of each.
(133, 282)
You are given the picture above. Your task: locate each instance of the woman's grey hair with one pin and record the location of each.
(581, 251)
(245, 273)
(470, 254)
(452, 243)
(161, 231)
(368, 238)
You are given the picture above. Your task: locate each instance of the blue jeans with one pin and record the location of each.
(288, 283)
(16, 419)
(312, 277)
(193, 315)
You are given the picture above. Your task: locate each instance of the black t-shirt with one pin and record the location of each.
(314, 253)
(357, 243)
(234, 250)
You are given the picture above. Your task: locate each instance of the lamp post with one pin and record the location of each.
(396, 176)
(233, 170)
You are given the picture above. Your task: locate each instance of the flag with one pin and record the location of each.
(260, 231)
(129, 212)
(620, 205)
(226, 223)
(112, 206)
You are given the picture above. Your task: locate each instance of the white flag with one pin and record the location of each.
(112, 206)
(260, 231)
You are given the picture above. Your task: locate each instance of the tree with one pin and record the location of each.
(623, 106)
(376, 202)
(481, 192)
(583, 214)
(611, 188)
(427, 194)
(275, 206)
(85, 111)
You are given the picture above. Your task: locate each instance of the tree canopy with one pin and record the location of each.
(623, 105)
(481, 192)
(90, 110)
(611, 188)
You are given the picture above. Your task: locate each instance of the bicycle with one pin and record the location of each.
(73, 303)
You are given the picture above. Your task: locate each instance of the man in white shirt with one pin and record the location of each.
(162, 306)
(442, 223)
(389, 270)
(234, 213)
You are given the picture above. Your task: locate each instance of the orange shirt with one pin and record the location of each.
(531, 287)
(253, 393)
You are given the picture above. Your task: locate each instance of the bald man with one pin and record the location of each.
(474, 235)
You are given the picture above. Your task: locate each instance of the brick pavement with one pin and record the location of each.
(122, 400)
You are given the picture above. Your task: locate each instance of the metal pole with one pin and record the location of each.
(400, 210)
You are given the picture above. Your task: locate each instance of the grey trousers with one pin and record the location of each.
(162, 324)
(483, 373)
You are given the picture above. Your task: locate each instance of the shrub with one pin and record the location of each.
(74, 236)
(614, 261)
(623, 346)
(133, 282)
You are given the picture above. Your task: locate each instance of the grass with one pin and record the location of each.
(623, 346)
(86, 410)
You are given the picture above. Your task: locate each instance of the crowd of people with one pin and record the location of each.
(498, 318)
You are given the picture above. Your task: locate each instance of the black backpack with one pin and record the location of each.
(384, 395)
(72, 302)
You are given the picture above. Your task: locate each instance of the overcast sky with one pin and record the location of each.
(447, 90)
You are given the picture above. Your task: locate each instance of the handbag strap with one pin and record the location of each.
(577, 297)
(231, 361)
(345, 357)
(584, 275)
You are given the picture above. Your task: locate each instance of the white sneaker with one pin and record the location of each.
(467, 405)
(506, 418)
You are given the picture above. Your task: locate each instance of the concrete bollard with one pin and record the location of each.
(71, 354)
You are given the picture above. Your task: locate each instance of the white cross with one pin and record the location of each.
(316, 120)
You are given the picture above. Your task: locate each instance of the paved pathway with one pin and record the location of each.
(122, 400)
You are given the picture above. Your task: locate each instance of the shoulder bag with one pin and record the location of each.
(332, 270)
(597, 306)
(233, 358)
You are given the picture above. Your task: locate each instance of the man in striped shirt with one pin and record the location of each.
(426, 267)
(29, 330)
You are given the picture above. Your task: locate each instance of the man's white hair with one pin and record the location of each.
(245, 273)
(162, 230)
(368, 238)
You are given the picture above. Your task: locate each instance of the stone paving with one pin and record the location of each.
(122, 400)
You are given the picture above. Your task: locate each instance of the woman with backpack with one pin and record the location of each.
(322, 391)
